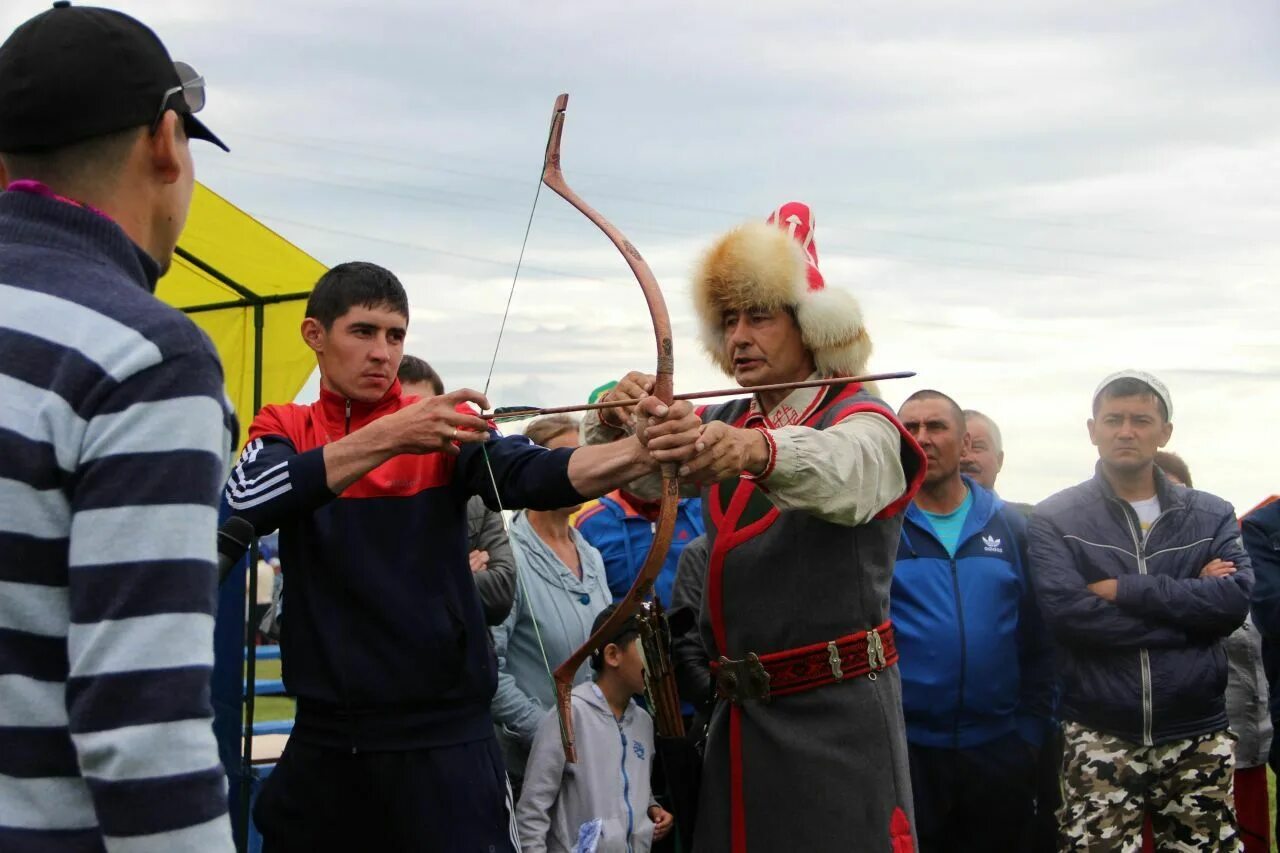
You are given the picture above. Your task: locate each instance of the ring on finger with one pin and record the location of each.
(455, 434)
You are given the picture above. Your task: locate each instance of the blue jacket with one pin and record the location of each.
(973, 653)
(1261, 530)
(1149, 667)
(385, 645)
(623, 536)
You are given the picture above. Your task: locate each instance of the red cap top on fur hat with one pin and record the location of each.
(797, 218)
(775, 265)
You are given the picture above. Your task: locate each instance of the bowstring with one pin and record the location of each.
(502, 328)
(484, 448)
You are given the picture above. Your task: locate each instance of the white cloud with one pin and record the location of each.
(1023, 196)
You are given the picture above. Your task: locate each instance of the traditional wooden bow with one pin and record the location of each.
(564, 675)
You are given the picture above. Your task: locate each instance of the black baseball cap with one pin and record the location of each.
(630, 627)
(76, 72)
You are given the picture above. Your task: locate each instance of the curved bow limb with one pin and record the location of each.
(663, 389)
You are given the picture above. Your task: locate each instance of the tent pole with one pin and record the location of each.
(259, 323)
(300, 296)
(251, 628)
(245, 292)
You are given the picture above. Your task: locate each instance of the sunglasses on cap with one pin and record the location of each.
(190, 86)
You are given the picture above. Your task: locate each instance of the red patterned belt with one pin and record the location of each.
(761, 677)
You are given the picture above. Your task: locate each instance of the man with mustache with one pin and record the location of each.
(803, 493)
(983, 459)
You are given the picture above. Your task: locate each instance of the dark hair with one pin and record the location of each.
(414, 369)
(1130, 387)
(355, 283)
(630, 628)
(1172, 463)
(67, 167)
(929, 394)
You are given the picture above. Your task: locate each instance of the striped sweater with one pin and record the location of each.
(114, 439)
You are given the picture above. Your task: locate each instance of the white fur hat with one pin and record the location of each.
(771, 265)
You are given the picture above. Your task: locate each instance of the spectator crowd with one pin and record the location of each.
(875, 651)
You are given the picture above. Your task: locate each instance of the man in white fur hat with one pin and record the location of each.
(803, 495)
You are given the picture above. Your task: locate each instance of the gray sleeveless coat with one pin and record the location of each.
(826, 769)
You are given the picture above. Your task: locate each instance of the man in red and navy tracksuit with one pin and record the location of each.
(385, 645)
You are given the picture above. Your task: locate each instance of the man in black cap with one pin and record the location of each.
(115, 435)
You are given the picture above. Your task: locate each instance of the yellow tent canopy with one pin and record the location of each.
(246, 286)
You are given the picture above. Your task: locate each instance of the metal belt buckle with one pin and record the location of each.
(833, 658)
(875, 653)
(743, 680)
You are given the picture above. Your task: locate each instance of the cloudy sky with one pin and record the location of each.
(1024, 196)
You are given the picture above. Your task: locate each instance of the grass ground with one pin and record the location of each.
(268, 708)
(1271, 787)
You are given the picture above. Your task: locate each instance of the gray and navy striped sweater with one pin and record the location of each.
(114, 440)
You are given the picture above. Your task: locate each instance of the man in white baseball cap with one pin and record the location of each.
(1140, 579)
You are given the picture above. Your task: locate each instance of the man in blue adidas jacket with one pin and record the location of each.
(977, 682)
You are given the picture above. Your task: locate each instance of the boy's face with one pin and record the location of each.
(627, 661)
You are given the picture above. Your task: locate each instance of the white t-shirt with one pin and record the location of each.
(1147, 510)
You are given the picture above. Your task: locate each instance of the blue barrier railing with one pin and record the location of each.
(268, 687)
(263, 687)
(273, 727)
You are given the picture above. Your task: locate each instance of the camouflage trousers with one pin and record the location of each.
(1108, 784)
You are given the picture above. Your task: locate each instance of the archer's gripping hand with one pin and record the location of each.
(434, 424)
(633, 386)
(723, 452)
(669, 433)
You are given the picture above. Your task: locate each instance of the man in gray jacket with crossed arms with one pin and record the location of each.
(1141, 580)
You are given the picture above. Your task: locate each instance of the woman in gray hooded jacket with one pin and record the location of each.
(560, 587)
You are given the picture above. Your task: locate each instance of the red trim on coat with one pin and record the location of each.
(715, 589)
(728, 538)
(717, 514)
(900, 839)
